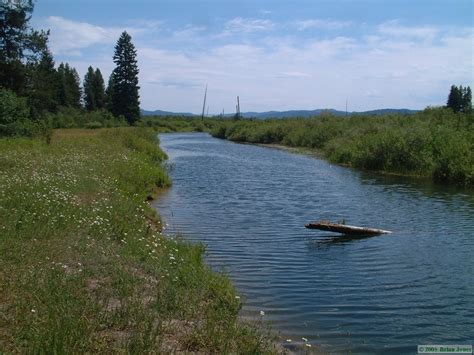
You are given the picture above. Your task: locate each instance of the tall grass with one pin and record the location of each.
(167, 124)
(84, 263)
(435, 143)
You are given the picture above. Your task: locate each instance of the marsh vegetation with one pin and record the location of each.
(435, 143)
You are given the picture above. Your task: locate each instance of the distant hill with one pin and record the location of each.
(290, 114)
(318, 112)
(165, 113)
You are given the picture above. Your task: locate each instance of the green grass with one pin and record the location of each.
(84, 264)
(166, 124)
(435, 143)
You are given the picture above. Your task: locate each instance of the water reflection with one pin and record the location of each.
(325, 241)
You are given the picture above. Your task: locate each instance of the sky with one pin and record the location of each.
(273, 54)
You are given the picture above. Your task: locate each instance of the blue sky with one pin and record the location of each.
(276, 55)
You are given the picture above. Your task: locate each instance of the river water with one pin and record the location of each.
(387, 294)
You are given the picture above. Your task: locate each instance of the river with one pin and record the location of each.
(248, 205)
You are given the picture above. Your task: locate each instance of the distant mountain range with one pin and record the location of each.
(165, 113)
(291, 113)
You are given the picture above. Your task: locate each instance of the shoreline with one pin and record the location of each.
(81, 236)
(315, 153)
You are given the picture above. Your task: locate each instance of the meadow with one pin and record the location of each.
(85, 262)
(435, 143)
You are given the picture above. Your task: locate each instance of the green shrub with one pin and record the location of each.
(15, 116)
(93, 125)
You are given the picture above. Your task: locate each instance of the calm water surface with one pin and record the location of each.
(249, 204)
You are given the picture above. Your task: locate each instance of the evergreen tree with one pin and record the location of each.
(467, 100)
(89, 95)
(19, 44)
(460, 99)
(43, 85)
(74, 86)
(69, 90)
(455, 99)
(62, 93)
(109, 93)
(99, 90)
(124, 94)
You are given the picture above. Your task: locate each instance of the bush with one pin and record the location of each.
(94, 125)
(15, 116)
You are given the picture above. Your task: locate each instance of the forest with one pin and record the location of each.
(37, 96)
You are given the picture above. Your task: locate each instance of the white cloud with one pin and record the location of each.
(189, 32)
(293, 74)
(392, 66)
(390, 72)
(395, 29)
(240, 24)
(321, 24)
(71, 37)
(68, 37)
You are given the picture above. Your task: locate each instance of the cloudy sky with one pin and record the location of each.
(274, 54)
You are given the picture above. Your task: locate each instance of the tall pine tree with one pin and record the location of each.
(19, 43)
(460, 99)
(69, 88)
(454, 99)
(99, 90)
(89, 95)
(109, 93)
(43, 85)
(124, 79)
(94, 90)
(467, 100)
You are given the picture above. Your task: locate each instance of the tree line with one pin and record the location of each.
(460, 99)
(34, 92)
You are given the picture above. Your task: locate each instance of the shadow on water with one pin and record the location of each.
(326, 241)
(418, 185)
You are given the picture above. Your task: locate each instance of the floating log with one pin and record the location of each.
(344, 228)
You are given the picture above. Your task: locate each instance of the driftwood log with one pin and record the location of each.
(344, 228)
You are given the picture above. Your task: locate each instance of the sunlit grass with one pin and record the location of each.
(84, 264)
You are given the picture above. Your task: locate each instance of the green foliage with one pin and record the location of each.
(44, 86)
(94, 90)
(15, 116)
(453, 153)
(99, 90)
(177, 123)
(89, 95)
(18, 43)
(436, 142)
(93, 125)
(53, 95)
(460, 99)
(69, 86)
(85, 266)
(124, 81)
(68, 117)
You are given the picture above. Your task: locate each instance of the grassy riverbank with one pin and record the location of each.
(166, 124)
(435, 143)
(84, 266)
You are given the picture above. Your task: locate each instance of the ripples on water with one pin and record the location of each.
(249, 204)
